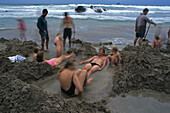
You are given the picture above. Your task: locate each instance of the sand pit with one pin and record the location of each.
(143, 68)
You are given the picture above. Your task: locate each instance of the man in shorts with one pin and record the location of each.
(140, 26)
(67, 23)
(42, 26)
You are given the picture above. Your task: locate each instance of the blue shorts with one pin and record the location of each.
(44, 35)
(139, 35)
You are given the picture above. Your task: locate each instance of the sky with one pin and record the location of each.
(126, 2)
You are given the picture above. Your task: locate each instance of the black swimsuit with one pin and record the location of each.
(71, 90)
(92, 64)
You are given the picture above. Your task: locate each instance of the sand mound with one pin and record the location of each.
(143, 68)
(16, 95)
(14, 46)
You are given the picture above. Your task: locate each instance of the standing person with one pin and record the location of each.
(169, 36)
(42, 26)
(140, 26)
(67, 23)
(58, 42)
(22, 29)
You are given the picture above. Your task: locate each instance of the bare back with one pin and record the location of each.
(65, 78)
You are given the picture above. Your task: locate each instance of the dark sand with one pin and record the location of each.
(143, 68)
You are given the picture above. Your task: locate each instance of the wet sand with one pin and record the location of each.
(33, 87)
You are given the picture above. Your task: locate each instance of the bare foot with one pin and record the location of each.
(89, 81)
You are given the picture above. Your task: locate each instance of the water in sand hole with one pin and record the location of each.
(98, 89)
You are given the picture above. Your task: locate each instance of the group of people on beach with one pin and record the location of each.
(71, 82)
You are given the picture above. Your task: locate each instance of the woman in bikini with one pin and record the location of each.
(72, 83)
(53, 61)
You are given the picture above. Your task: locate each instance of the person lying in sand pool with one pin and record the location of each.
(58, 42)
(156, 43)
(71, 83)
(53, 61)
(116, 58)
(36, 50)
(97, 62)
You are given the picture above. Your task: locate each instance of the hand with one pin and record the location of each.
(44, 31)
(155, 24)
(80, 63)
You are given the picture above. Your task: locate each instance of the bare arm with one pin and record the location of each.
(152, 44)
(104, 64)
(61, 25)
(153, 23)
(120, 59)
(88, 60)
(135, 26)
(73, 26)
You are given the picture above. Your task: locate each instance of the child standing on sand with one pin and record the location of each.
(58, 42)
(22, 29)
(36, 51)
(116, 58)
(156, 43)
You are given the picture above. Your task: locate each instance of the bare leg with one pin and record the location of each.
(83, 79)
(93, 69)
(47, 41)
(135, 40)
(56, 52)
(87, 67)
(60, 52)
(42, 44)
(140, 41)
(64, 42)
(69, 43)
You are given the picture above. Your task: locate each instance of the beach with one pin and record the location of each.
(140, 85)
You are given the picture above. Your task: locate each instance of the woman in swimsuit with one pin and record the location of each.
(53, 61)
(72, 83)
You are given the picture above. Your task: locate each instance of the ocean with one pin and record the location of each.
(115, 25)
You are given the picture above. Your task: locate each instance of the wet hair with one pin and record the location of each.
(146, 10)
(36, 49)
(103, 50)
(114, 48)
(65, 14)
(45, 11)
(40, 56)
(67, 65)
(157, 37)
